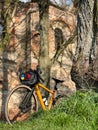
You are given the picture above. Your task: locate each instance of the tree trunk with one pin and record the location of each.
(44, 42)
(86, 48)
(6, 20)
(95, 42)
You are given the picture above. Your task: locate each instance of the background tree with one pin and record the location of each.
(6, 15)
(7, 11)
(44, 40)
(87, 48)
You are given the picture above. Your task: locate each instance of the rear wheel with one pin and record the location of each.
(19, 105)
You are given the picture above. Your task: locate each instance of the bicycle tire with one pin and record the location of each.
(15, 97)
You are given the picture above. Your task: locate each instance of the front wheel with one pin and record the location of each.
(18, 106)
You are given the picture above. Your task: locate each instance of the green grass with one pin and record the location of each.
(78, 112)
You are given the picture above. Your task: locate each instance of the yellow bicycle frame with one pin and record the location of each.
(38, 93)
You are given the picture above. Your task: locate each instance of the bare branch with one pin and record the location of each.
(63, 47)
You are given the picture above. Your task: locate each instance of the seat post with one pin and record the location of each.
(55, 86)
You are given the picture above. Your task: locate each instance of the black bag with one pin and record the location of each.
(29, 78)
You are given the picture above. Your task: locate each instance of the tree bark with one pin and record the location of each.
(44, 41)
(85, 33)
(86, 52)
(6, 20)
(95, 42)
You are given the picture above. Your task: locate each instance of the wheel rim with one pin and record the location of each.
(13, 113)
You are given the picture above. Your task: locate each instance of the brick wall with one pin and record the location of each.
(25, 53)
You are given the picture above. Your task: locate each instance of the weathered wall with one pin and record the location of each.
(67, 23)
(25, 52)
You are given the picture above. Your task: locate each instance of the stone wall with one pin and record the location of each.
(23, 51)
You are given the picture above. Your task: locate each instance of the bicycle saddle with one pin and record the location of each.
(58, 80)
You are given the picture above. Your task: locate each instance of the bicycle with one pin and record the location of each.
(22, 100)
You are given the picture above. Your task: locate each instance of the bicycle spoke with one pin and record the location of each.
(20, 104)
